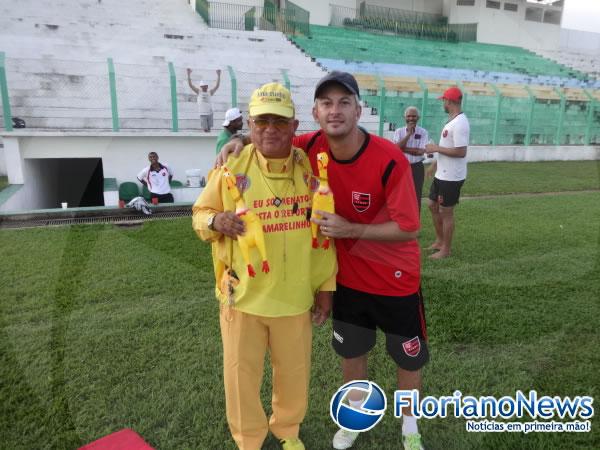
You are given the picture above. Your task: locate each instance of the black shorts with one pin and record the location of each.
(357, 315)
(446, 193)
(162, 198)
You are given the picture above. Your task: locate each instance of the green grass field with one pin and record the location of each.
(498, 178)
(103, 328)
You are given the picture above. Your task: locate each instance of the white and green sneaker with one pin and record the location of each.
(344, 439)
(412, 441)
(291, 444)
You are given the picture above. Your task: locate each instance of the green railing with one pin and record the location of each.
(117, 96)
(202, 8)
(113, 95)
(6, 112)
(297, 18)
(231, 16)
(174, 109)
(496, 119)
(404, 23)
(401, 15)
(233, 80)
(164, 101)
(249, 19)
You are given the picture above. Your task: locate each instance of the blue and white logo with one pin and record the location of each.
(367, 415)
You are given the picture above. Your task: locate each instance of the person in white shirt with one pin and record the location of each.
(450, 172)
(157, 178)
(203, 100)
(412, 139)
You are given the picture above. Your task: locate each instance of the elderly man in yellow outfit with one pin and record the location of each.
(266, 301)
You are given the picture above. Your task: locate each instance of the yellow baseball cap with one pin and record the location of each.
(271, 98)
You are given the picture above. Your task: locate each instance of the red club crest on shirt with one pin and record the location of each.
(445, 133)
(412, 347)
(361, 201)
(242, 182)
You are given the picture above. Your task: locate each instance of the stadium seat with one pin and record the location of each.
(436, 59)
(128, 190)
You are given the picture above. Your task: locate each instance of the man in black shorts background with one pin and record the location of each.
(157, 178)
(450, 169)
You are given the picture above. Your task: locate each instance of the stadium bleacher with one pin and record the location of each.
(58, 78)
(350, 45)
(585, 62)
(513, 96)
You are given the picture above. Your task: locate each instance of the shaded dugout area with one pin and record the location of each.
(52, 181)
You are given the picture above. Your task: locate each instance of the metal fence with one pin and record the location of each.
(96, 95)
(231, 16)
(56, 94)
(112, 96)
(400, 15)
(498, 120)
(403, 23)
(53, 94)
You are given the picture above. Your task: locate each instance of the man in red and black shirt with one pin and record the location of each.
(375, 228)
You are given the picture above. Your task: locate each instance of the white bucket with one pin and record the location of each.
(193, 177)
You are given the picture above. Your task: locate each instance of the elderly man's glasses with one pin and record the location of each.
(261, 123)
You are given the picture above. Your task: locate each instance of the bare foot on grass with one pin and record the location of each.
(435, 246)
(440, 255)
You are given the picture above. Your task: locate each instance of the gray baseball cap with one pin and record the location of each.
(343, 78)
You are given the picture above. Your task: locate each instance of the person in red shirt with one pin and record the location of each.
(375, 228)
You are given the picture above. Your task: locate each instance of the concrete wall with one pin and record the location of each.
(533, 153)
(505, 27)
(36, 161)
(123, 156)
(580, 41)
(320, 11)
(40, 189)
(426, 6)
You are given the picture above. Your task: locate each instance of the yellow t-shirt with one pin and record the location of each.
(297, 271)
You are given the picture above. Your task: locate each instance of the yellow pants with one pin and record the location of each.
(246, 338)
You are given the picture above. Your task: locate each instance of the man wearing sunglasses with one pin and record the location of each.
(375, 229)
(268, 309)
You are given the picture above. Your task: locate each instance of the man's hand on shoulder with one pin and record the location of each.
(234, 146)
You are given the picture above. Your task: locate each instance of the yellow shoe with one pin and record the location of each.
(292, 444)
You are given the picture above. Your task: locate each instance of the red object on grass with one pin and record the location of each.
(126, 439)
